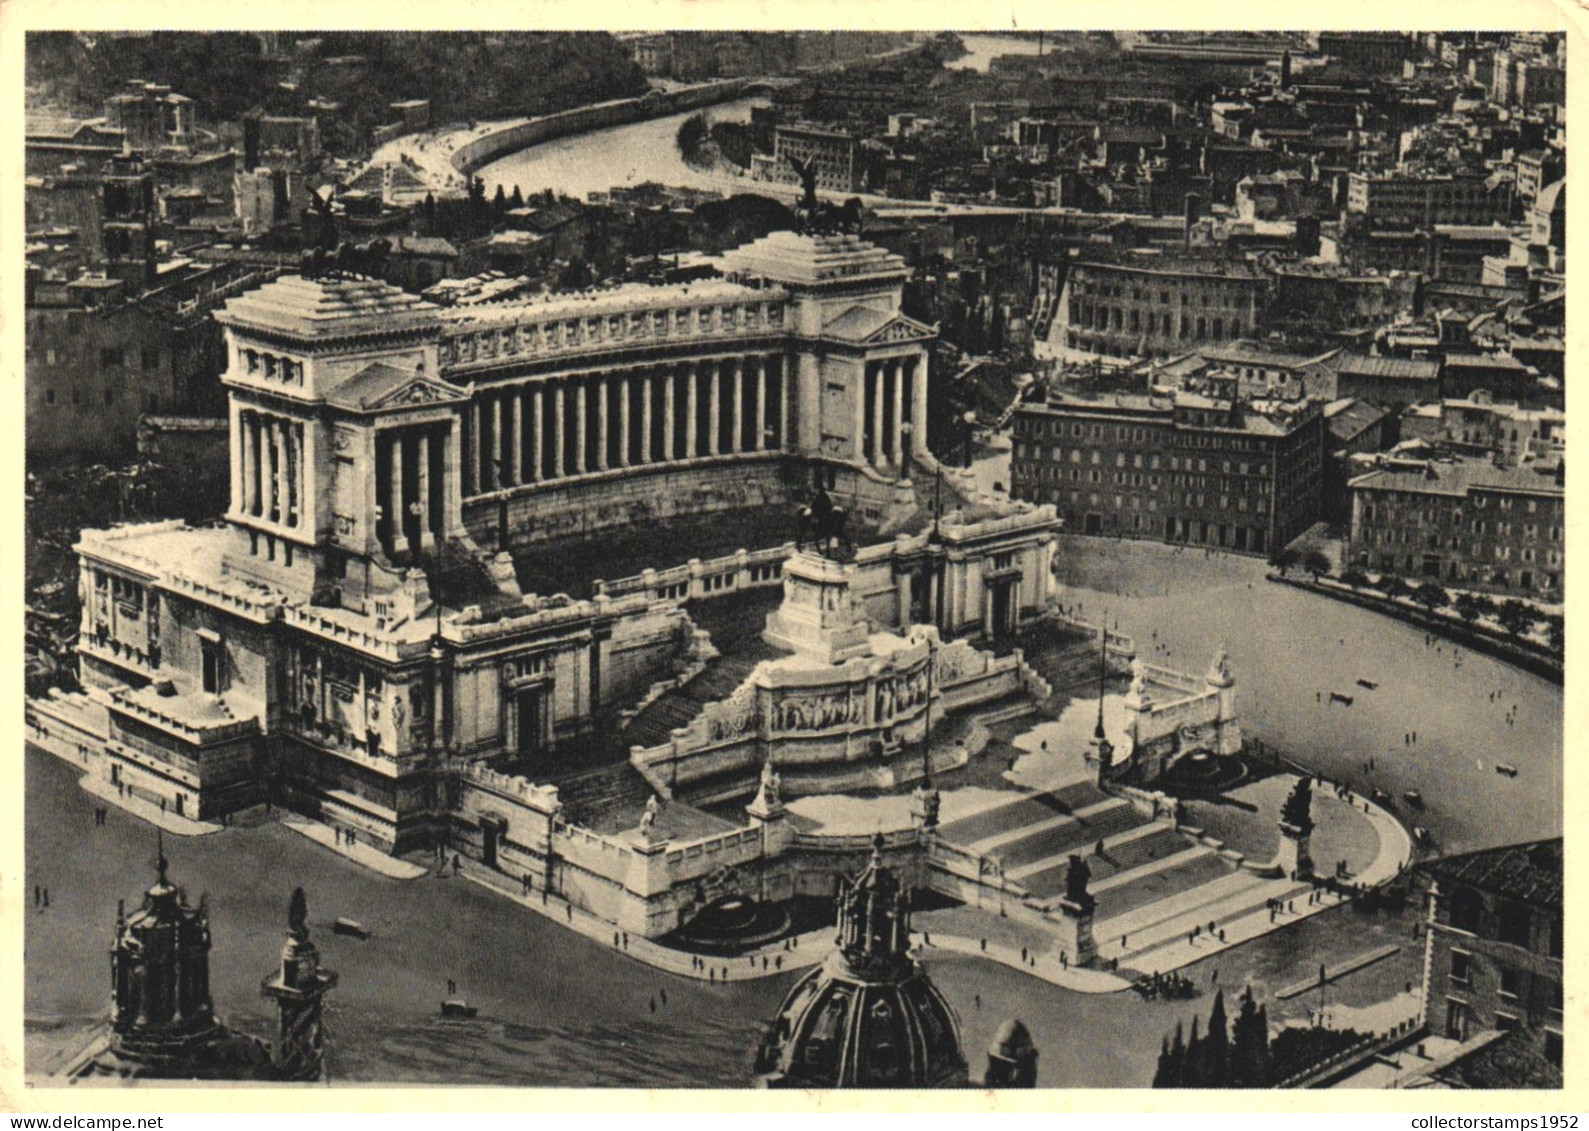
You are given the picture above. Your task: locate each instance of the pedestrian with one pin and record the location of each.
(653, 1005)
(977, 1000)
(626, 940)
(570, 910)
(764, 962)
(711, 975)
(452, 987)
(38, 897)
(664, 996)
(455, 864)
(926, 938)
(336, 831)
(46, 897)
(1064, 961)
(1023, 954)
(615, 942)
(1122, 942)
(984, 941)
(1221, 939)
(1214, 978)
(1291, 907)
(777, 962)
(1098, 848)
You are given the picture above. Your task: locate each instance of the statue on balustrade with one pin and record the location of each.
(1298, 810)
(823, 524)
(1076, 880)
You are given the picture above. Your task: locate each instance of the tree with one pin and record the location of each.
(517, 199)
(1175, 1077)
(1192, 1074)
(1516, 617)
(1558, 635)
(1315, 563)
(1216, 1046)
(1394, 587)
(499, 203)
(1284, 558)
(1249, 1046)
(1431, 596)
(1356, 578)
(1468, 608)
(428, 209)
(1167, 1066)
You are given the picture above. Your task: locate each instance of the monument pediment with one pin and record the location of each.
(382, 388)
(863, 325)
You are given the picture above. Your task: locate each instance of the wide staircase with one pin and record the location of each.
(1067, 658)
(734, 622)
(1153, 884)
(606, 800)
(678, 707)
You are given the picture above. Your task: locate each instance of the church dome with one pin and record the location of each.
(868, 1017)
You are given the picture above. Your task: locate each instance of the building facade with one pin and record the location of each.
(1494, 950)
(1145, 307)
(1182, 468)
(1406, 200)
(1465, 522)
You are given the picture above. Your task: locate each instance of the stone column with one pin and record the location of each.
(861, 393)
(295, 474)
(897, 374)
(879, 454)
(736, 442)
(692, 389)
(601, 389)
(647, 391)
(559, 418)
(624, 392)
(714, 410)
(785, 393)
(395, 509)
(472, 461)
(499, 463)
(427, 539)
(517, 471)
(903, 583)
(248, 489)
(580, 422)
(278, 440)
(918, 400)
(538, 435)
(235, 454)
(451, 484)
(669, 379)
(759, 436)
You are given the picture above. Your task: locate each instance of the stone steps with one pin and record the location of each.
(1144, 887)
(1149, 845)
(606, 800)
(1161, 920)
(1080, 832)
(1231, 901)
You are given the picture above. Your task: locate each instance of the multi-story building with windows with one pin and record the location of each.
(1494, 951)
(1245, 476)
(1411, 200)
(1148, 304)
(1465, 522)
(835, 155)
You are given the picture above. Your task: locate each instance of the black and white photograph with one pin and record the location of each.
(793, 559)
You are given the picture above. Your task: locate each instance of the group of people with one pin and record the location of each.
(1164, 985)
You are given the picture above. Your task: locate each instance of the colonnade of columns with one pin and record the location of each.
(268, 468)
(583, 423)
(892, 397)
(410, 474)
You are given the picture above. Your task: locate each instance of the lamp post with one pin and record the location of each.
(905, 430)
(970, 421)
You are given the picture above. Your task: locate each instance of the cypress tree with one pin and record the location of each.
(1192, 1075)
(499, 203)
(1176, 1075)
(1162, 1074)
(1245, 1056)
(517, 199)
(1216, 1046)
(1262, 1046)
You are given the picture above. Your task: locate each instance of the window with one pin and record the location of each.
(1515, 924)
(49, 396)
(1466, 909)
(110, 355)
(214, 662)
(149, 357)
(1511, 983)
(1461, 967)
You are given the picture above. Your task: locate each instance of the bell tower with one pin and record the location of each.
(299, 987)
